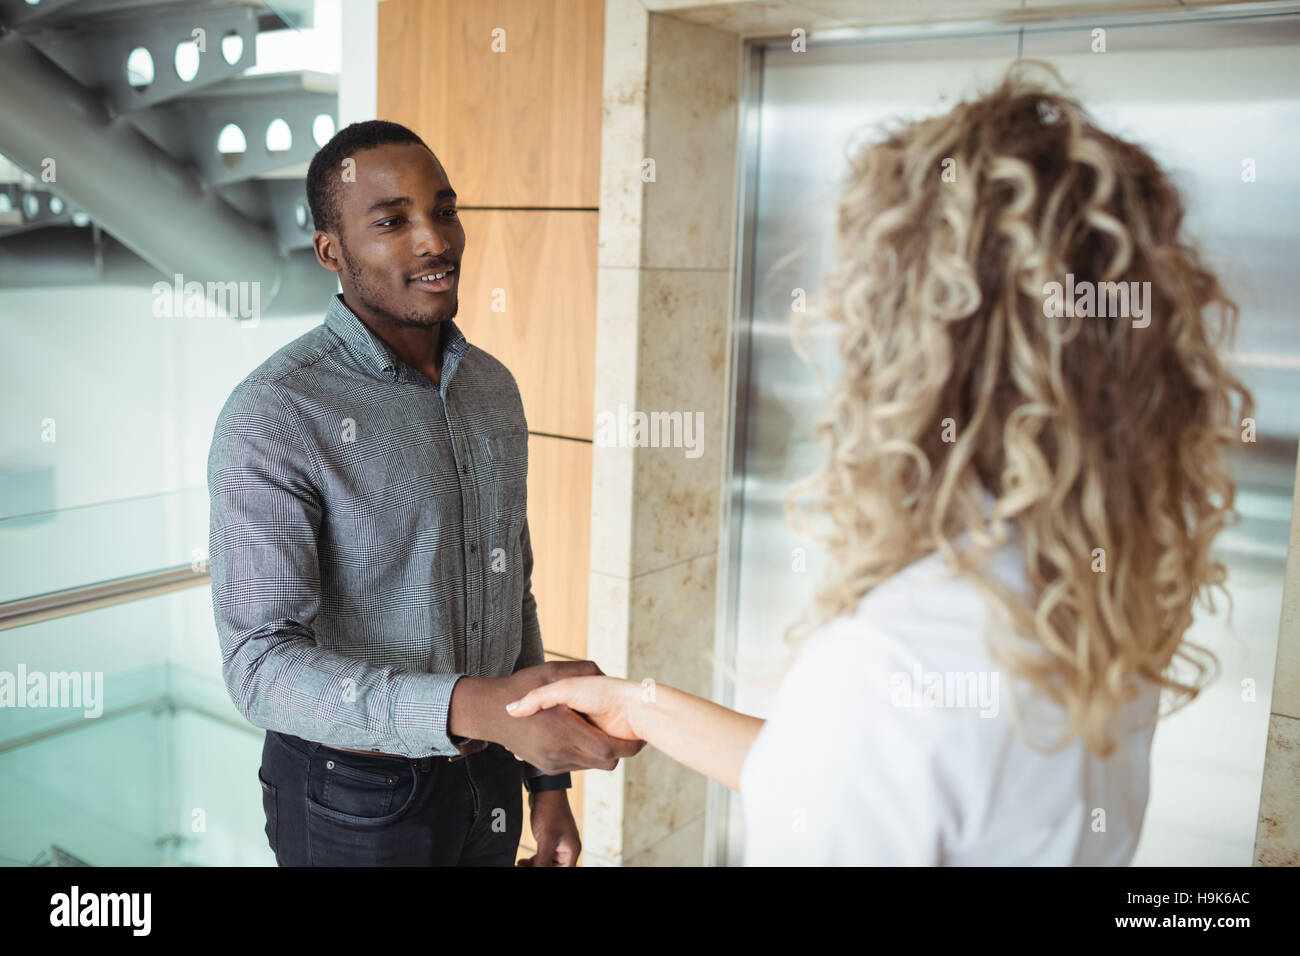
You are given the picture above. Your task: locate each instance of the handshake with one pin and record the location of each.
(558, 716)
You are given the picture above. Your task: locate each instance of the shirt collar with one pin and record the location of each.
(378, 354)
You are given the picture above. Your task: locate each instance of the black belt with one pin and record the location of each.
(473, 747)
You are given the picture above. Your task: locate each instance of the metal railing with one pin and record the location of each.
(89, 597)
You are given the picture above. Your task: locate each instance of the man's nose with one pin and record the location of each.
(429, 240)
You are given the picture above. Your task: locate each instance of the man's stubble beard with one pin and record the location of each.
(370, 298)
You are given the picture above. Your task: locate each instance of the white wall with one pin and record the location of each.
(133, 399)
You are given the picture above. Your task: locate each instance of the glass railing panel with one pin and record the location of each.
(140, 758)
(55, 549)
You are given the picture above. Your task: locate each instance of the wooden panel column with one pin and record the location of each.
(507, 94)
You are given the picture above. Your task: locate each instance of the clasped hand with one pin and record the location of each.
(554, 737)
(608, 702)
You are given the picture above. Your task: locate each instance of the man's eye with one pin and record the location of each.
(452, 211)
(387, 221)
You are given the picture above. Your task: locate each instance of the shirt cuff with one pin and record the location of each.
(420, 715)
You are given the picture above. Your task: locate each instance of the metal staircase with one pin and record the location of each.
(139, 150)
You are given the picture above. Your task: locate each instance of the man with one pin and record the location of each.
(370, 553)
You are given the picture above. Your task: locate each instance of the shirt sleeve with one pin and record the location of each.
(839, 775)
(531, 654)
(266, 511)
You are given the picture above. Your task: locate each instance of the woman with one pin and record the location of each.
(1025, 474)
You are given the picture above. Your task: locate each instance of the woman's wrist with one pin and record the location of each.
(639, 698)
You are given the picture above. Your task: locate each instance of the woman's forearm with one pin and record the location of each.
(693, 731)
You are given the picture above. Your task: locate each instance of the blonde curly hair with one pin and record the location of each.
(1086, 432)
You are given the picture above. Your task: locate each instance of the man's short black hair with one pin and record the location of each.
(323, 175)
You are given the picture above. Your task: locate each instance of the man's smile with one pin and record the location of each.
(429, 281)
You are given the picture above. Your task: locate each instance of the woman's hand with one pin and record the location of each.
(693, 731)
(608, 702)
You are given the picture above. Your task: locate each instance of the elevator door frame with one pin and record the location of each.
(720, 799)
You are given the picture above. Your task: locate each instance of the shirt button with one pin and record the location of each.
(473, 549)
(329, 765)
(474, 625)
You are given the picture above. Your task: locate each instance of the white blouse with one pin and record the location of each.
(891, 743)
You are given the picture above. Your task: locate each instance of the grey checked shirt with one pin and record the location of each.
(369, 543)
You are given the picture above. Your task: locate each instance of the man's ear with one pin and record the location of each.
(326, 247)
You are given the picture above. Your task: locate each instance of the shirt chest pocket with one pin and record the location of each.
(504, 499)
(506, 476)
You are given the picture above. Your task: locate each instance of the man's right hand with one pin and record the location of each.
(556, 740)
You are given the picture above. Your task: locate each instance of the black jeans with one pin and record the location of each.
(327, 807)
